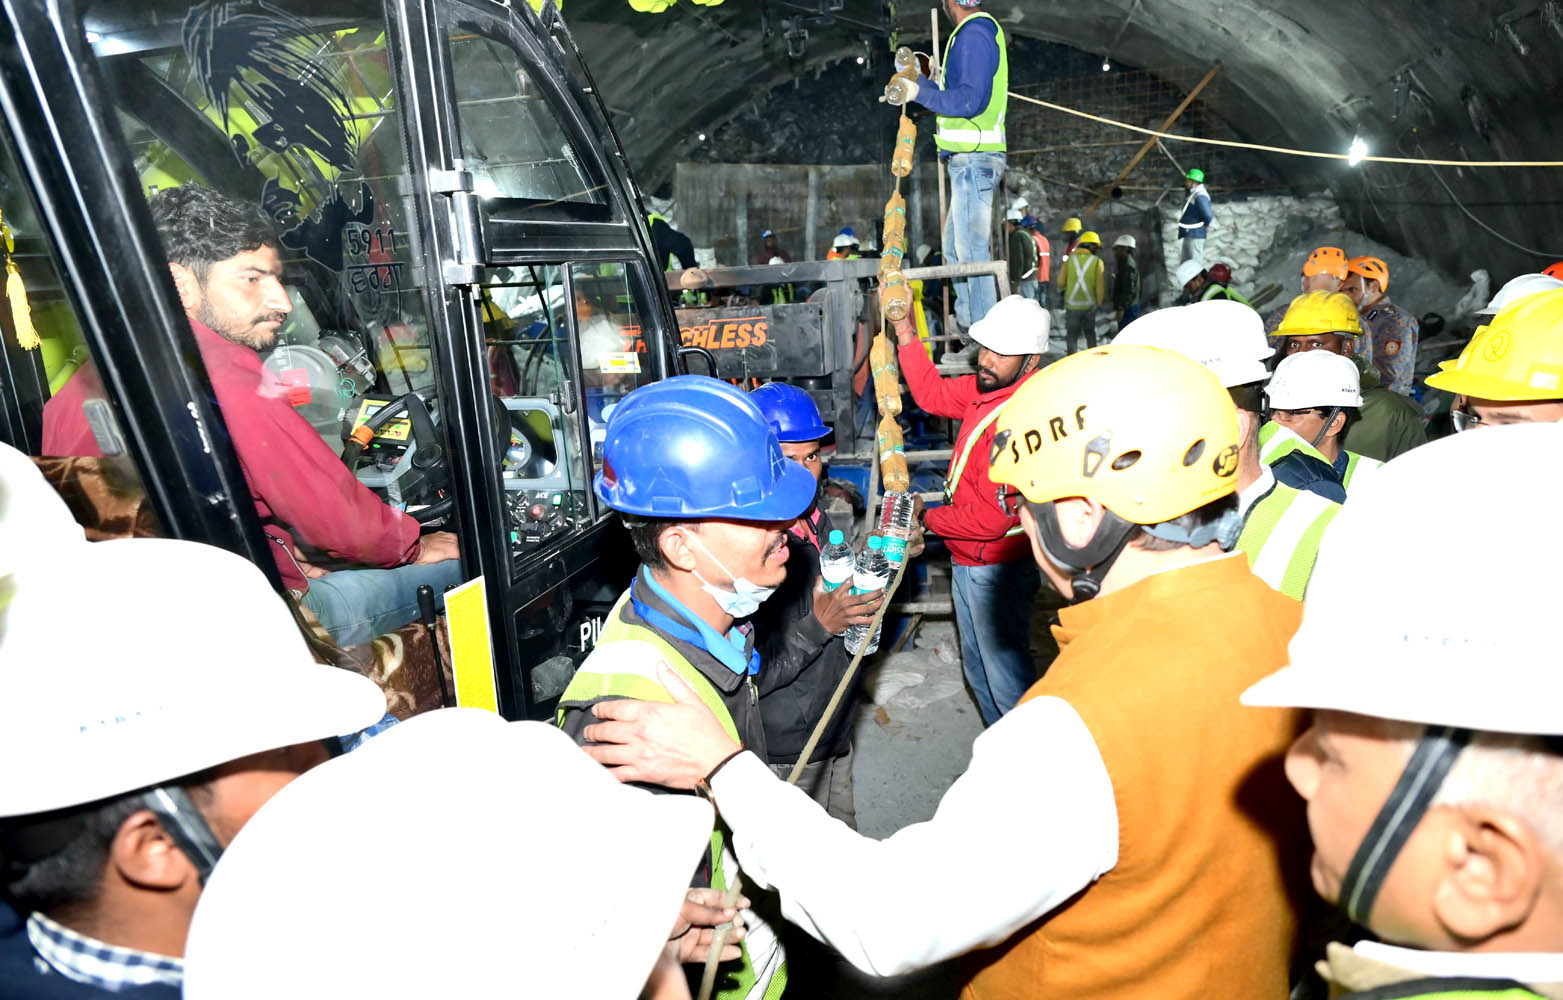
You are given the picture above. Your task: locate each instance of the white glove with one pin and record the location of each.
(899, 91)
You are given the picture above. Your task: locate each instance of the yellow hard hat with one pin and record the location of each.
(1321, 312)
(1516, 357)
(1072, 225)
(1090, 237)
(1146, 432)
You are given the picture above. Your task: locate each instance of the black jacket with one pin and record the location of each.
(800, 666)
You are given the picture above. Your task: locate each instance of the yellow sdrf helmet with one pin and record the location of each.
(1516, 357)
(1146, 432)
(1072, 225)
(1313, 313)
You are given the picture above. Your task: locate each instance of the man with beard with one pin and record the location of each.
(228, 272)
(995, 579)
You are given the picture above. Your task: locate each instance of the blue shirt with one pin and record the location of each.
(731, 649)
(40, 958)
(968, 74)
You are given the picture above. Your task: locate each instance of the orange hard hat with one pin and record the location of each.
(1370, 267)
(1326, 260)
(1554, 270)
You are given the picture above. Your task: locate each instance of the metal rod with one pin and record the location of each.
(944, 208)
(1146, 146)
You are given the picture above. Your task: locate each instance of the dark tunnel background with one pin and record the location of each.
(1439, 79)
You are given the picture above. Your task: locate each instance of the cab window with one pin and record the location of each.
(45, 355)
(519, 155)
(528, 344)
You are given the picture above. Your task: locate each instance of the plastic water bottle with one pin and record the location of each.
(895, 524)
(871, 575)
(835, 561)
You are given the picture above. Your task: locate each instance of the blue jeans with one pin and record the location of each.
(1028, 289)
(973, 179)
(356, 605)
(993, 611)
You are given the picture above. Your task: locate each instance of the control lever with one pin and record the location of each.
(427, 613)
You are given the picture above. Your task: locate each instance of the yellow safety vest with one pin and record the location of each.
(588, 685)
(1281, 537)
(984, 133)
(1080, 281)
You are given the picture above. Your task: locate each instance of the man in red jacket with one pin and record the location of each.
(227, 269)
(994, 575)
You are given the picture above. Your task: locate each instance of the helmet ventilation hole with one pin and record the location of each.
(1192, 455)
(1125, 460)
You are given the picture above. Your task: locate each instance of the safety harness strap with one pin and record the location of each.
(1408, 801)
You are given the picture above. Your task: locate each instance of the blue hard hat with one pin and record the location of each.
(846, 231)
(790, 411)
(766, 234)
(693, 446)
(1028, 222)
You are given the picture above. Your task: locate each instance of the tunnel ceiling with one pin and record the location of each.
(1445, 79)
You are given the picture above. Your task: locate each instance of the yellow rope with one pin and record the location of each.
(16, 294)
(1233, 144)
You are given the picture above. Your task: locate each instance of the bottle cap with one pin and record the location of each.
(875, 542)
(836, 538)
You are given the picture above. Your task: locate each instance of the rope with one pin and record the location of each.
(1491, 231)
(1283, 150)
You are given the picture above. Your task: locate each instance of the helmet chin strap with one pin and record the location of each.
(1329, 418)
(1408, 802)
(1087, 564)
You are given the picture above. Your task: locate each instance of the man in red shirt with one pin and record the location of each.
(227, 269)
(995, 578)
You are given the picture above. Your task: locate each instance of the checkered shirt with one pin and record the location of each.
(94, 963)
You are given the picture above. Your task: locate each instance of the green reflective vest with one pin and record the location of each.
(984, 133)
(1354, 462)
(1214, 290)
(1281, 536)
(745, 982)
(1276, 442)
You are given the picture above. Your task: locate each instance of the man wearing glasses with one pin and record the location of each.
(1512, 370)
(1317, 395)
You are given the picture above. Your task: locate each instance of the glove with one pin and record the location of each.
(899, 91)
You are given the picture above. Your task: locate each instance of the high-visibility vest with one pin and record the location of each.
(747, 982)
(1354, 463)
(952, 478)
(1080, 281)
(1276, 442)
(984, 133)
(1214, 289)
(1281, 537)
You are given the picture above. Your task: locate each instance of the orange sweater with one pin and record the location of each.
(1196, 905)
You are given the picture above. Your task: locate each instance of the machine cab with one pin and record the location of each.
(467, 273)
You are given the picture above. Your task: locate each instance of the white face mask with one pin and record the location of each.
(743, 600)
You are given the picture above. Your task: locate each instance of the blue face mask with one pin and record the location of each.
(743, 600)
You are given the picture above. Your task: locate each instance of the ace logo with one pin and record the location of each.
(727, 334)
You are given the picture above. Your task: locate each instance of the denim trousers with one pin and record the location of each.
(974, 177)
(356, 605)
(993, 612)
(1028, 289)
(1192, 249)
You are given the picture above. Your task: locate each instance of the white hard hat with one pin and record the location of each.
(842, 240)
(1315, 378)
(1013, 215)
(1469, 507)
(541, 874)
(1188, 271)
(1014, 326)
(870, 244)
(34, 522)
(1518, 288)
(775, 260)
(1125, 241)
(133, 662)
(1225, 336)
